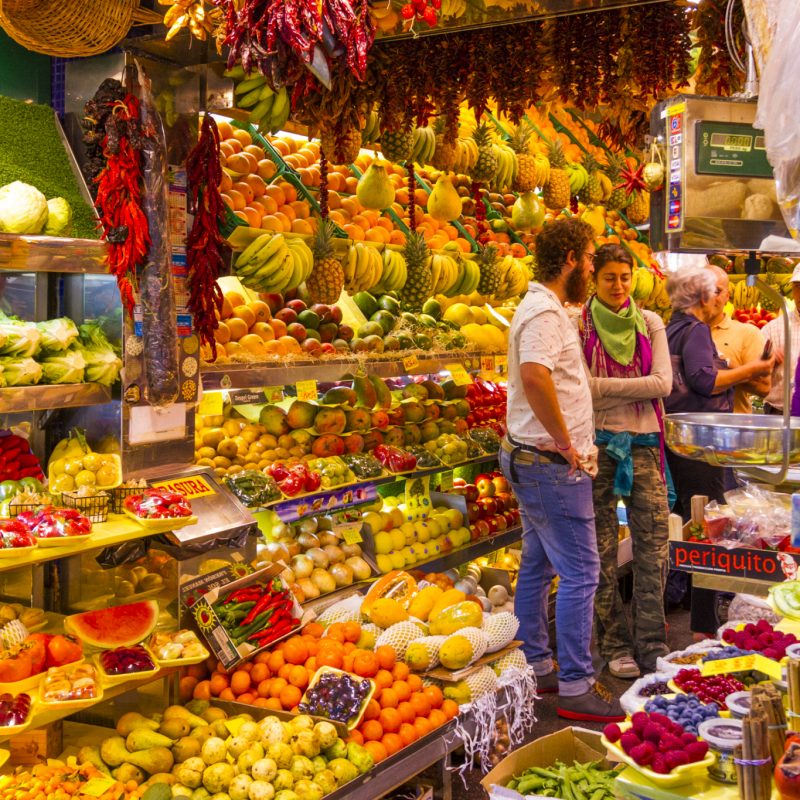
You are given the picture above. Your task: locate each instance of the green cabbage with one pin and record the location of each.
(59, 217)
(103, 365)
(2, 378)
(67, 367)
(21, 371)
(22, 339)
(23, 208)
(57, 334)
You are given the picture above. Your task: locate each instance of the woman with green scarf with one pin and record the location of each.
(628, 358)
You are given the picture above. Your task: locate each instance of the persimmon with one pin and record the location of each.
(390, 720)
(371, 730)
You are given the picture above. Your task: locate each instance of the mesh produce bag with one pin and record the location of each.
(423, 654)
(519, 683)
(13, 633)
(347, 610)
(399, 636)
(463, 648)
(510, 662)
(500, 629)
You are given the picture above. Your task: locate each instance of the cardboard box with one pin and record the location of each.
(33, 747)
(204, 591)
(567, 745)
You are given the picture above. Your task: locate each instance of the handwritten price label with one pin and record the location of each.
(274, 394)
(446, 481)
(410, 363)
(306, 390)
(210, 404)
(501, 364)
(459, 375)
(352, 534)
(96, 787)
(487, 363)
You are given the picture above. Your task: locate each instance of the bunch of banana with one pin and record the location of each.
(372, 129)
(513, 277)
(189, 14)
(466, 155)
(454, 8)
(658, 299)
(744, 296)
(444, 272)
(542, 168)
(273, 263)
(578, 176)
(268, 109)
(507, 166)
(469, 276)
(363, 268)
(424, 145)
(395, 272)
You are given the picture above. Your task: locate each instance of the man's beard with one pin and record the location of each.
(577, 287)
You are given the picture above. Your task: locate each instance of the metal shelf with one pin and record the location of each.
(258, 375)
(52, 254)
(42, 398)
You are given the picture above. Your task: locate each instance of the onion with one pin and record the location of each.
(323, 580)
(342, 574)
(334, 553)
(297, 591)
(288, 576)
(325, 523)
(308, 525)
(291, 547)
(307, 540)
(319, 557)
(302, 566)
(327, 538)
(283, 531)
(351, 549)
(361, 570)
(275, 551)
(309, 588)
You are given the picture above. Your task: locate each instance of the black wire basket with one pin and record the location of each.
(95, 508)
(119, 494)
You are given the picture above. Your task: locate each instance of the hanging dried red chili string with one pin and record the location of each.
(205, 246)
(119, 199)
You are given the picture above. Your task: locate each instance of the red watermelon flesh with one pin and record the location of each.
(118, 626)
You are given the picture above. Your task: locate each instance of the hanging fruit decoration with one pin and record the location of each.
(653, 173)
(426, 11)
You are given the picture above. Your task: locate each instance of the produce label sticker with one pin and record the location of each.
(723, 665)
(306, 390)
(234, 725)
(96, 787)
(487, 363)
(352, 533)
(410, 363)
(501, 365)
(446, 481)
(196, 486)
(418, 497)
(210, 404)
(459, 375)
(676, 139)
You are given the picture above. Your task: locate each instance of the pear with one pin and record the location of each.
(527, 213)
(132, 720)
(127, 772)
(160, 777)
(212, 714)
(114, 753)
(179, 712)
(444, 204)
(374, 188)
(156, 759)
(89, 754)
(143, 739)
(186, 747)
(175, 728)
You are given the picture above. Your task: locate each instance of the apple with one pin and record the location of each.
(482, 527)
(459, 482)
(297, 306)
(471, 492)
(474, 512)
(501, 522)
(322, 311)
(500, 503)
(492, 523)
(327, 349)
(336, 314)
(286, 315)
(485, 486)
(274, 301)
(488, 506)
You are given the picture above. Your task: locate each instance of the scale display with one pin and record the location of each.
(732, 149)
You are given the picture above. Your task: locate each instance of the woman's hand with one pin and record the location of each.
(762, 367)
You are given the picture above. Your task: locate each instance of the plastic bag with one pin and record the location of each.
(779, 110)
(634, 699)
(749, 608)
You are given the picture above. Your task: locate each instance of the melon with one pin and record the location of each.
(118, 626)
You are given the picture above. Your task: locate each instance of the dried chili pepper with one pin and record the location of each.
(205, 246)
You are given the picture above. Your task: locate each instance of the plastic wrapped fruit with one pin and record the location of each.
(72, 682)
(127, 661)
(177, 645)
(14, 710)
(363, 465)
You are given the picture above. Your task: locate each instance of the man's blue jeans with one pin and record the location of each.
(558, 538)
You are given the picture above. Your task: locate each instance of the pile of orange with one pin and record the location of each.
(401, 711)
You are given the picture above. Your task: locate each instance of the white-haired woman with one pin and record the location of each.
(702, 380)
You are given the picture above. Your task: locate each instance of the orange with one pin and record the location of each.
(278, 685)
(348, 647)
(355, 736)
(406, 711)
(408, 733)
(437, 718)
(311, 665)
(261, 702)
(263, 687)
(240, 681)
(388, 698)
(414, 683)
(279, 326)
(383, 679)
(202, 691)
(352, 632)
(247, 697)
(329, 658)
(261, 310)
(365, 664)
(227, 694)
(449, 708)
(420, 703)
(400, 672)
(295, 650)
(274, 703)
(218, 684)
(386, 656)
(336, 632)
(186, 687)
(371, 730)
(376, 750)
(263, 656)
(392, 742)
(298, 676)
(237, 327)
(347, 663)
(290, 696)
(276, 661)
(422, 726)
(402, 690)
(390, 719)
(285, 671)
(434, 695)
(314, 629)
(372, 711)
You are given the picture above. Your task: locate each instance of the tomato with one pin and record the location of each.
(63, 649)
(38, 649)
(15, 666)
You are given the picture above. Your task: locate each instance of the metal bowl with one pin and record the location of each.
(731, 440)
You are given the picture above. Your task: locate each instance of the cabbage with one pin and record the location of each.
(2, 378)
(102, 363)
(57, 334)
(23, 208)
(65, 367)
(21, 338)
(21, 371)
(59, 217)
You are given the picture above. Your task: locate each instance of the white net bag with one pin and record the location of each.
(347, 610)
(399, 636)
(500, 629)
(463, 648)
(423, 654)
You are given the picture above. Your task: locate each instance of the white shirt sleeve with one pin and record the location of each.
(542, 340)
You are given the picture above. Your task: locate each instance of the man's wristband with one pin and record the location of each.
(562, 449)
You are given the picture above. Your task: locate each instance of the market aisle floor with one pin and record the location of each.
(679, 637)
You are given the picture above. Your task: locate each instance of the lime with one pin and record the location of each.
(63, 483)
(72, 466)
(85, 478)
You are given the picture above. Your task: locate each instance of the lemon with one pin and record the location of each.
(63, 483)
(85, 478)
(57, 466)
(92, 462)
(107, 474)
(72, 466)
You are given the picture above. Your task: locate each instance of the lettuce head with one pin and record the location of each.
(21, 371)
(23, 209)
(59, 217)
(57, 334)
(66, 367)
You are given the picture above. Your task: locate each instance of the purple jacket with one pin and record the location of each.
(796, 392)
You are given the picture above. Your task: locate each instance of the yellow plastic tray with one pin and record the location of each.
(70, 704)
(161, 525)
(16, 552)
(687, 773)
(113, 680)
(10, 730)
(179, 662)
(355, 721)
(62, 541)
(27, 685)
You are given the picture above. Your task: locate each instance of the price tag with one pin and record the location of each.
(722, 665)
(352, 534)
(501, 365)
(96, 787)
(768, 667)
(210, 404)
(487, 363)
(274, 394)
(410, 363)
(459, 375)
(234, 725)
(306, 390)
(446, 481)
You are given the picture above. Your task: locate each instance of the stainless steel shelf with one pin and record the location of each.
(41, 398)
(52, 254)
(258, 375)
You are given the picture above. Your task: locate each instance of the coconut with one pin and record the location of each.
(302, 566)
(319, 557)
(342, 574)
(334, 553)
(323, 580)
(361, 570)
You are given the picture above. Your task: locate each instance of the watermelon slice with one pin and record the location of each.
(118, 626)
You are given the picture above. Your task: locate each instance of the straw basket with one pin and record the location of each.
(72, 28)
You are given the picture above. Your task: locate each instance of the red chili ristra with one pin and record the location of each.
(204, 245)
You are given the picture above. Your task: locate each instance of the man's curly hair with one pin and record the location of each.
(554, 244)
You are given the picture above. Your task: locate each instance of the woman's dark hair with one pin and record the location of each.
(609, 253)
(556, 241)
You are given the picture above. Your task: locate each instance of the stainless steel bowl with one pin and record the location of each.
(731, 440)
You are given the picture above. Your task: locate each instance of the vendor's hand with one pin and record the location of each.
(573, 458)
(778, 353)
(762, 367)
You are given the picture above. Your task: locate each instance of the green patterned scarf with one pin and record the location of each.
(618, 331)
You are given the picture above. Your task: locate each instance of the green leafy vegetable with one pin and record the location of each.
(23, 209)
(59, 217)
(19, 338)
(57, 334)
(102, 363)
(21, 371)
(67, 367)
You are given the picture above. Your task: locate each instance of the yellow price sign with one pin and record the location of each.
(487, 363)
(410, 363)
(306, 390)
(723, 665)
(501, 364)
(96, 787)
(446, 481)
(210, 404)
(768, 667)
(196, 486)
(352, 534)
(459, 375)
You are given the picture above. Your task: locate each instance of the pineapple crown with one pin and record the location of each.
(482, 135)
(486, 255)
(555, 153)
(590, 163)
(520, 138)
(321, 244)
(614, 166)
(415, 250)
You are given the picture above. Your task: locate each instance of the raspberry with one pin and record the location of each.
(612, 732)
(642, 754)
(659, 764)
(696, 751)
(676, 758)
(628, 741)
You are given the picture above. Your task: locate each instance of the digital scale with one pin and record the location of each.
(719, 190)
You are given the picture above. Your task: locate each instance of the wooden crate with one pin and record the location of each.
(35, 746)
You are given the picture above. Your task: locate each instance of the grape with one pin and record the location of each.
(127, 660)
(14, 710)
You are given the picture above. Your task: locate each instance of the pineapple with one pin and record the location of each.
(326, 280)
(341, 144)
(619, 198)
(486, 165)
(444, 156)
(419, 283)
(397, 146)
(526, 163)
(487, 261)
(638, 212)
(556, 194)
(592, 193)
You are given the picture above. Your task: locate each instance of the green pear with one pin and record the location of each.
(132, 720)
(114, 753)
(143, 739)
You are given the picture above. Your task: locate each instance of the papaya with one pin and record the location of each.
(447, 599)
(461, 615)
(396, 584)
(423, 602)
(386, 612)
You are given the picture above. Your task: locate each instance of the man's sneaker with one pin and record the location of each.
(547, 684)
(596, 705)
(624, 667)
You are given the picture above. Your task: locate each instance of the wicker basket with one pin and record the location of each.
(74, 28)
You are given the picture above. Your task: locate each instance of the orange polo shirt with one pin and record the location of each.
(738, 343)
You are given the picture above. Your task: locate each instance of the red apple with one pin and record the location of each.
(489, 505)
(471, 492)
(336, 314)
(485, 485)
(473, 512)
(501, 522)
(459, 482)
(297, 306)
